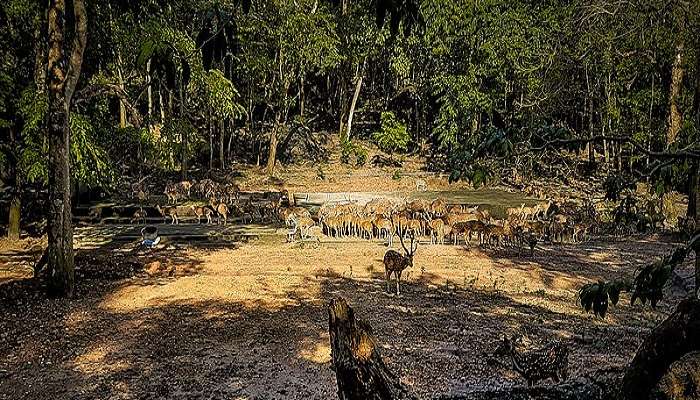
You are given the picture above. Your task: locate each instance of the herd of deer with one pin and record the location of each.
(223, 202)
(384, 219)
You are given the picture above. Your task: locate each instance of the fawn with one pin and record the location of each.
(551, 361)
(395, 262)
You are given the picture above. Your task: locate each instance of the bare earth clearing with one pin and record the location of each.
(251, 322)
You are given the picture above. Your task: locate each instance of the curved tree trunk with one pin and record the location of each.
(360, 371)
(63, 77)
(678, 335)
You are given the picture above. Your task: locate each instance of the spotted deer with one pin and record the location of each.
(437, 231)
(222, 212)
(168, 212)
(395, 263)
(202, 211)
(551, 361)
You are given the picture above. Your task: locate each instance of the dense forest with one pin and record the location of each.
(171, 84)
(98, 97)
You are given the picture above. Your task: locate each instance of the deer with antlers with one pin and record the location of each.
(395, 263)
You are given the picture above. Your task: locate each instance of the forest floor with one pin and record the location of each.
(249, 320)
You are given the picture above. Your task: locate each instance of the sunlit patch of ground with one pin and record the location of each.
(251, 322)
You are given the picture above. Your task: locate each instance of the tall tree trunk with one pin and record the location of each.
(694, 190)
(222, 134)
(122, 106)
(184, 131)
(13, 222)
(272, 154)
(353, 103)
(210, 125)
(591, 151)
(343, 109)
(149, 81)
(301, 93)
(161, 103)
(675, 119)
(62, 83)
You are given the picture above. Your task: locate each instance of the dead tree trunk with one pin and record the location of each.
(360, 371)
(63, 77)
(678, 335)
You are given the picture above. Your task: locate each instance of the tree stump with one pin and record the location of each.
(360, 371)
(677, 336)
(681, 381)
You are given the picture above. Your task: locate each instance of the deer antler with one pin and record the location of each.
(401, 239)
(413, 249)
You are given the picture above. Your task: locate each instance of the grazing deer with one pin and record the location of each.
(139, 215)
(395, 262)
(384, 229)
(168, 212)
(551, 361)
(202, 211)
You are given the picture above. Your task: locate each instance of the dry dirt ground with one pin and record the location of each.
(250, 321)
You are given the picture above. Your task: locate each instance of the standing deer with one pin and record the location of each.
(168, 212)
(202, 211)
(222, 213)
(395, 262)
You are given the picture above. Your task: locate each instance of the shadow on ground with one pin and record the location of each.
(438, 338)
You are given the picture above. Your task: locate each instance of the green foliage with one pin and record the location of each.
(90, 162)
(396, 175)
(221, 96)
(348, 149)
(393, 135)
(170, 142)
(360, 156)
(596, 297)
(32, 160)
(650, 281)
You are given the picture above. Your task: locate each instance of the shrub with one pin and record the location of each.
(393, 135)
(360, 155)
